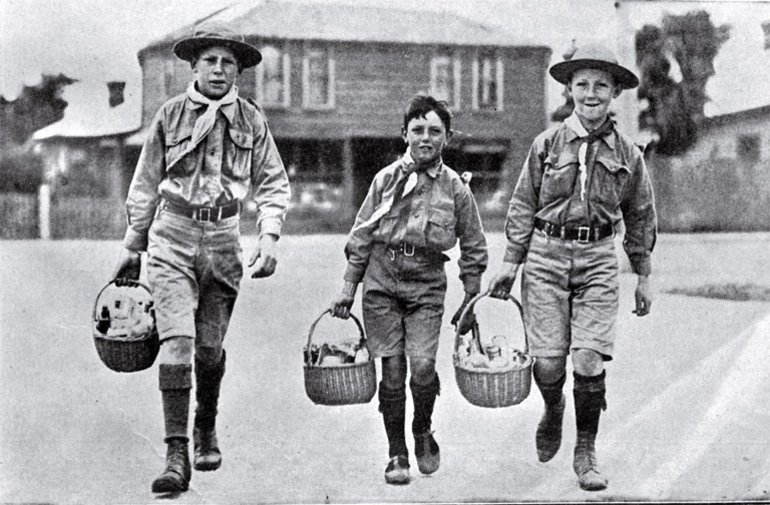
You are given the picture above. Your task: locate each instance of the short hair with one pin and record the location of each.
(206, 47)
(420, 105)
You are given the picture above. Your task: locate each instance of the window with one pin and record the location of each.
(748, 148)
(488, 82)
(273, 73)
(318, 79)
(445, 79)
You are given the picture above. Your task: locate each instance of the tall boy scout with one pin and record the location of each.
(205, 150)
(416, 208)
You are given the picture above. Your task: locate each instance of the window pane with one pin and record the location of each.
(488, 86)
(443, 79)
(318, 79)
(272, 77)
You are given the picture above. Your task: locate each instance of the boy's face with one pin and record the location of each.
(593, 90)
(215, 70)
(426, 138)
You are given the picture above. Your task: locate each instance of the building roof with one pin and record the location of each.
(736, 117)
(353, 23)
(88, 114)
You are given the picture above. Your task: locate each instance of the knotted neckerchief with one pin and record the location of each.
(205, 123)
(402, 188)
(588, 138)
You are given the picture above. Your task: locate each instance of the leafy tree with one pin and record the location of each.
(676, 61)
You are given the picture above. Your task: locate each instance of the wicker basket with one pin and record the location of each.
(489, 387)
(346, 384)
(125, 351)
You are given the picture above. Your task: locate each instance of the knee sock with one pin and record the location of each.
(424, 398)
(175, 382)
(393, 409)
(552, 392)
(589, 394)
(207, 385)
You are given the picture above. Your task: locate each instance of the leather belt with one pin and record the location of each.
(205, 214)
(581, 234)
(417, 252)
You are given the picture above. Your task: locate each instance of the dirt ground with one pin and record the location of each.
(688, 411)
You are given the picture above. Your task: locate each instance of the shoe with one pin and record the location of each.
(176, 476)
(548, 436)
(585, 466)
(397, 471)
(206, 448)
(427, 452)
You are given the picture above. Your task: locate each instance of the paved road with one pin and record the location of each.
(688, 409)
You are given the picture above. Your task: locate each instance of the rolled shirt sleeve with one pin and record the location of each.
(640, 219)
(270, 181)
(360, 238)
(520, 219)
(473, 244)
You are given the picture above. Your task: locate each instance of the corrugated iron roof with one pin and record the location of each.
(352, 23)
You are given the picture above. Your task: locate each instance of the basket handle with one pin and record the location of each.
(126, 282)
(315, 323)
(476, 334)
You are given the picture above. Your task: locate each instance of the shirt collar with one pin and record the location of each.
(576, 130)
(432, 170)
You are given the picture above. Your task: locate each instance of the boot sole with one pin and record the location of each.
(397, 478)
(207, 466)
(168, 485)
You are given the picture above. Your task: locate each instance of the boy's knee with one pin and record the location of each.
(177, 350)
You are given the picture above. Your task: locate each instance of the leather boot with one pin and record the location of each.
(548, 436)
(176, 476)
(426, 449)
(589, 402)
(393, 409)
(207, 456)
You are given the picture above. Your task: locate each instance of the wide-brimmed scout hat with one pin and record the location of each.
(597, 57)
(217, 34)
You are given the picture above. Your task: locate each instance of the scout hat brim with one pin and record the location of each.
(595, 57)
(217, 35)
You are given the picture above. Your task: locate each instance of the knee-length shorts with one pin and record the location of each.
(570, 293)
(194, 270)
(403, 304)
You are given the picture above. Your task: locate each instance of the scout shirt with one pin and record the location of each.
(618, 187)
(237, 154)
(436, 213)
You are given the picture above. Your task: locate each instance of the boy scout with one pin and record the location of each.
(416, 208)
(580, 180)
(205, 150)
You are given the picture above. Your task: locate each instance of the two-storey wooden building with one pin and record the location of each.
(334, 81)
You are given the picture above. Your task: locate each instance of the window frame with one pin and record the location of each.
(285, 102)
(452, 58)
(499, 73)
(308, 52)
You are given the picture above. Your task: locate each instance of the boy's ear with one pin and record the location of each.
(403, 135)
(449, 135)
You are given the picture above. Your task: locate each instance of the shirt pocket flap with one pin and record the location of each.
(559, 161)
(443, 219)
(242, 139)
(179, 135)
(613, 166)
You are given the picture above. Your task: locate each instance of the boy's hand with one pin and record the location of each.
(341, 305)
(501, 284)
(129, 266)
(265, 256)
(470, 318)
(643, 296)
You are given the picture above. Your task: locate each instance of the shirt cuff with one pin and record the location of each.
(514, 254)
(353, 273)
(641, 266)
(134, 240)
(271, 225)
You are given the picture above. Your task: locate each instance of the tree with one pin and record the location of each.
(676, 61)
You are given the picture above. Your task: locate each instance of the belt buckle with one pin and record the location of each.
(406, 249)
(204, 214)
(581, 231)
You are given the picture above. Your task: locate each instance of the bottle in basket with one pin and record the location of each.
(496, 360)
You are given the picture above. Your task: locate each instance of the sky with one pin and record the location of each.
(96, 41)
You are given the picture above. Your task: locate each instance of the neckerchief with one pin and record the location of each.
(588, 138)
(205, 123)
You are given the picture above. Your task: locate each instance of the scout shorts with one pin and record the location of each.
(194, 270)
(403, 304)
(570, 295)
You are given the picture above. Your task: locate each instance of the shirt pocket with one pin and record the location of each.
(610, 179)
(440, 233)
(238, 155)
(178, 161)
(559, 174)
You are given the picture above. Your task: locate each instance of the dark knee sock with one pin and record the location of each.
(552, 392)
(424, 398)
(208, 380)
(175, 382)
(590, 400)
(393, 409)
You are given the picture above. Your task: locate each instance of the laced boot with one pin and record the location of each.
(426, 449)
(393, 409)
(585, 465)
(176, 476)
(548, 436)
(207, 456)
(589, 402)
